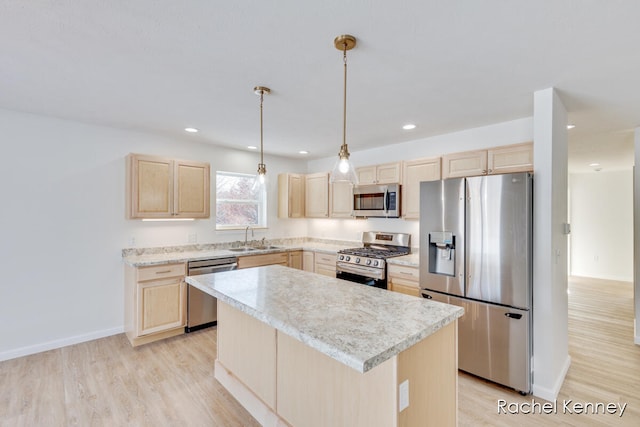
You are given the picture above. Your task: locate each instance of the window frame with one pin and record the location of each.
(261, 203)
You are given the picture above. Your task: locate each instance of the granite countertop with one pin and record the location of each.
(411, 260)
(172, 256)
(357, 325)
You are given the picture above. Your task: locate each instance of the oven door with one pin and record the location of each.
(362, 275)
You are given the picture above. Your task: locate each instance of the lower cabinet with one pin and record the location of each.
(295, 259)
(308, 261)
(325, 264)
(249, 261)
(403, 279)
(155, 302)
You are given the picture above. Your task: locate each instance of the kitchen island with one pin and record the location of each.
(296, 348)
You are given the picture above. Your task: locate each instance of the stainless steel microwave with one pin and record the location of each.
(376, 201)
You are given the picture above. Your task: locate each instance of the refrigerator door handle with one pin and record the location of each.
(513, 315)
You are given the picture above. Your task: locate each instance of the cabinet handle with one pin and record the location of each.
(163, 272)
(484, 171)
(406, 274)
(490, 170)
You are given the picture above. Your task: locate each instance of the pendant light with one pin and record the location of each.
(262, 168)
(343, 169)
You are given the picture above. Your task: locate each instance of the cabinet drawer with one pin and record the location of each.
(405, 288)
(266, 259)
(401, 271)
(325, 259)
(161, 271)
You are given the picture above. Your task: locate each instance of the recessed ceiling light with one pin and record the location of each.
(252, 147)
(191, 130)
(570, 126)
(409, 126)
(594, 164)
(303, 152)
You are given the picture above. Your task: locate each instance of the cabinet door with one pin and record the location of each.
(389, 173)
(366, 175)
(341, 200)
(161, 305)
(469, 163)
(308, 261)
(511, 158)
(295, 259)
(192, 192)
(317, 195)
(150, 186)
(291, 195)
(415, 172)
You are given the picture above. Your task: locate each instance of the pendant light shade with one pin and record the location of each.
(262, 168)
(343, 170)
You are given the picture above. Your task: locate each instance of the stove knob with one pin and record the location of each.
(348, 258)
(375, 263)
(341, 257)
(368, 262)
(357, 260)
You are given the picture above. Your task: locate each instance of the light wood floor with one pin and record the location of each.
(107, 383)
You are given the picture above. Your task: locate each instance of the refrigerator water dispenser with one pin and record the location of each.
(442, 253)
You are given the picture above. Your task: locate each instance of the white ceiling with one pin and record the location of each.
(160, 66)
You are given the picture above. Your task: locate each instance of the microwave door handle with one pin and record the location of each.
(386, 200)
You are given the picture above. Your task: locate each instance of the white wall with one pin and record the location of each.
(506, 133)
(601, 220)
(63, 224)
(550, 252)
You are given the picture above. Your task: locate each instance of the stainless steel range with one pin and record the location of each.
(367, 264)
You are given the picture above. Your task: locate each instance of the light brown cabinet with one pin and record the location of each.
(510, 158)
(341, 200)
(159, 187)
(308, 261)
(403, 279)
(291, 195)
(388, 173)
(295, 259)
(249, 261)
(415, 172)
(317, 195)
(325, 264)
(506, 159)
(155, 302)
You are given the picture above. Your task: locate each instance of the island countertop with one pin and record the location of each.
(355, 324)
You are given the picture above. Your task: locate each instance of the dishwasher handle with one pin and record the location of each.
(211, 269)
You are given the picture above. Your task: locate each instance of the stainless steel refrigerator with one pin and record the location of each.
(476, 252)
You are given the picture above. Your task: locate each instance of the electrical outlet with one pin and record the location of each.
(132, 241)
(193, 238)
(403, 395)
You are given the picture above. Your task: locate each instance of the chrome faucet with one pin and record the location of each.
(246, 231)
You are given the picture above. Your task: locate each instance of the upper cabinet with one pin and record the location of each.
(291, 195)
(341, 200)
(159, 187)
(506, 159)
(416, 171)
(317, 195)
(510, 158)
(388, 173)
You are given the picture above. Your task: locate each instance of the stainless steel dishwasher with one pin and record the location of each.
(202, 308)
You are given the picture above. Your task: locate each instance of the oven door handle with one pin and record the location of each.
(374, 273)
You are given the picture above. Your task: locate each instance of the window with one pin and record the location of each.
(238, 202)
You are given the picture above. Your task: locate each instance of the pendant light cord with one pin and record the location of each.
(344, 109)
(261, 143)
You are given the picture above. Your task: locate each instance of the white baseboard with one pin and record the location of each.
(602, 276)
(551, 394)
(52, 345)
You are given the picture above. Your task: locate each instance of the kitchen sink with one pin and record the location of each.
(244, 249)
(267, 247)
